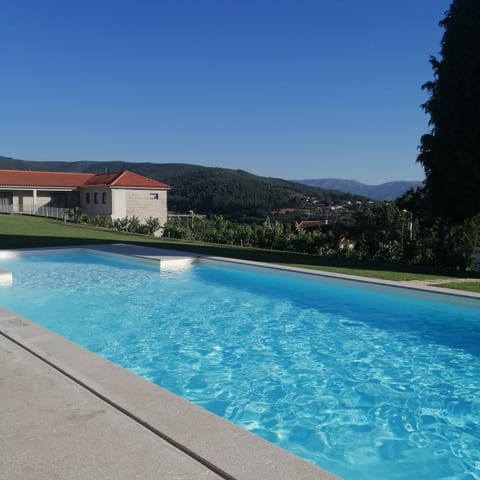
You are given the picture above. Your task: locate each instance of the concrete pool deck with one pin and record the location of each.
(67, 413)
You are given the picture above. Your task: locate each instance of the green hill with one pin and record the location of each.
(236, 194)
(384, 191)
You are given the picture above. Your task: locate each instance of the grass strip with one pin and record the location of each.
(466, 286)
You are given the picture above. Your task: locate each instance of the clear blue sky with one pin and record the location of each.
(290, 89)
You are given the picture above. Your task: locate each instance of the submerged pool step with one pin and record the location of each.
(176, 263)
(6, 278)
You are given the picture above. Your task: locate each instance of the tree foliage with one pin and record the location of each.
(240, 196)
(382, 233)
(270, 234)
(440, 241)
(450, 153)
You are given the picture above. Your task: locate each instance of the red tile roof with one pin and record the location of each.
(310, 223)
(28, 178)
(130, 179)
(101, 179)
(124, 179)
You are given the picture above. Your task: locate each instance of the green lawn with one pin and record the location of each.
(21, 231)
(468, 286)
(396, 276)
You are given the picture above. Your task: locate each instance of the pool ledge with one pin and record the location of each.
(5, 277)
(126, 411)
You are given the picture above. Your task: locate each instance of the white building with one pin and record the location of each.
(114, 195)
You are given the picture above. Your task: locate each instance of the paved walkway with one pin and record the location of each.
(53, 428)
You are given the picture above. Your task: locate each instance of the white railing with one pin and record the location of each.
(51, 212)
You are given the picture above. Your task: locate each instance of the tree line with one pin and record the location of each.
(401, 232)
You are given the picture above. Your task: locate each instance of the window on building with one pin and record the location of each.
(95, 197)
(104, 197)
(6, 199)
(87, 197)
(154, 196)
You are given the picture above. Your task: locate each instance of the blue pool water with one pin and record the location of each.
(361, 381)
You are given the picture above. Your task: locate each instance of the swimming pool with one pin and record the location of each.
(358, 379)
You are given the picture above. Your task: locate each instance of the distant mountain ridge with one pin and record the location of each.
(384, 191)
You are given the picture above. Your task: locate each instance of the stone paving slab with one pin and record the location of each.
(52, 428)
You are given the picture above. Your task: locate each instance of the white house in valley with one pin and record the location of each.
(114, 195)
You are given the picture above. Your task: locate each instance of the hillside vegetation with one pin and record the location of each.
(235, 194)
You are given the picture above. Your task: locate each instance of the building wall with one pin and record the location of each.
(22, 201)
(43, 199)
(125, 202)
(119, 203)
(17, 201)
(96, 201)
(146, 203)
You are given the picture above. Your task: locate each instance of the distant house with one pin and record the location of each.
(114, 195)
(310, 225)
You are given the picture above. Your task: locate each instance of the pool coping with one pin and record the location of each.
(224, 448)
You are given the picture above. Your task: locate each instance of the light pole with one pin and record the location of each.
(191, 223)
(410, 223)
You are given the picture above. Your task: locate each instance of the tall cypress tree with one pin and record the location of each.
(450, 153)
